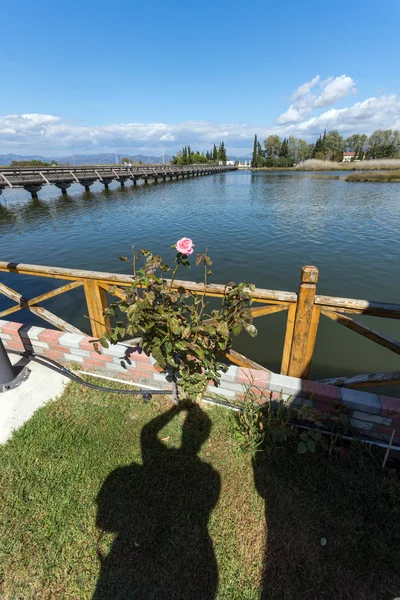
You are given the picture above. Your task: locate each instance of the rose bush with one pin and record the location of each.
(187, 340)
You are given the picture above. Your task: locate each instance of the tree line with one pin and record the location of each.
(331, 145)
(33, 163)
(187, 157)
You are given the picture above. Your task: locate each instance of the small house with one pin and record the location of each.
(348, 156)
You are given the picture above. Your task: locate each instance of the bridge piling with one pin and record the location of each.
(63, 186)
(33, 189)
(106, 182)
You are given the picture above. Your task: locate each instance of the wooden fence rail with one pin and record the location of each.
(304, 310)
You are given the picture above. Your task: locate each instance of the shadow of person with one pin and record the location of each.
(330, 526)
(159, 512)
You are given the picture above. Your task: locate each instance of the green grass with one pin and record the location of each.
(168, 520)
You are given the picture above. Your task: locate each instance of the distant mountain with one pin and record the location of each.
(240, 158)
(6, 159)
(99, 159)
(86, 159)
(107, 159)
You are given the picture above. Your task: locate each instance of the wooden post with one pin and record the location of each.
(305, 325)
(288, 338)
(96, 301)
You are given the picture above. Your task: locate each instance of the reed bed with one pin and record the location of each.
(363, 165)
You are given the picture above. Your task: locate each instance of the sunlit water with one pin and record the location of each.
(260, 227)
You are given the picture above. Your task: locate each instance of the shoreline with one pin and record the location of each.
(325, 165)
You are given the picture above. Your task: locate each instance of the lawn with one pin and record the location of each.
(107, 498)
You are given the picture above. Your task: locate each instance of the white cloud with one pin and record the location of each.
(373, 113)
(335, 89)
(167, 137)
(328, 92)
(305, 89)
(52, 135)
(294, 114)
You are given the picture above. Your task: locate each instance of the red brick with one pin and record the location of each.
(321, 391)
(51, 336)
(252, 376)
(390, 406)
(11, 327)
(55, 348)
(53, 354)
(138, 374)
(386, 431)
(102, 357)
(13, 345)
(139, 356)
(396, 422)
(94, 363)
(147, 367)
(324, 407)
(86, 345)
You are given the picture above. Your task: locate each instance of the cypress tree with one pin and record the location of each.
(254, 159)
(284, 151)
(323, 144)
(222, 152)
(317, 147)
(215, 153)
(260, 154)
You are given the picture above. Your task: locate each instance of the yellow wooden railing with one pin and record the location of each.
(303, 313)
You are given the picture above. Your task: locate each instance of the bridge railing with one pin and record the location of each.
(304, 310)
(20, 176)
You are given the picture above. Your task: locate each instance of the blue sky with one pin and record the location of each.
(96, 76)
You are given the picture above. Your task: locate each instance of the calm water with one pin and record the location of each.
(261, 227)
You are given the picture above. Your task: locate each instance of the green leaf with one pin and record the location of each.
(104, 342)
(301, 448)
(174, 326)
(311, 446)
(159, 358)
(237, 328)
(222, 328)
(123, 258)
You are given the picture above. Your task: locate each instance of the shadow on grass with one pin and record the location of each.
(159, 512)
(333, 526)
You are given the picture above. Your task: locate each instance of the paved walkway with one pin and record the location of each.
(18, 405)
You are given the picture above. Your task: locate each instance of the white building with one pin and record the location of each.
(348, 156)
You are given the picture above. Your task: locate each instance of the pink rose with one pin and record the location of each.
(185, 246)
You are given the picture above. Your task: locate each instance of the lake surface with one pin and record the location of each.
(260, 227)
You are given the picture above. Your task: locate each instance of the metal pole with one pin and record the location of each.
(6, 370)
(10, 377)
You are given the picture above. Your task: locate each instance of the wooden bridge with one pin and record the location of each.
(303, 309)
(32, 179)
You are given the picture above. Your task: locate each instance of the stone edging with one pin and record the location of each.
(372, 414)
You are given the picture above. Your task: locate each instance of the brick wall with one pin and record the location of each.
(374, 415)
